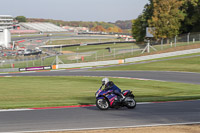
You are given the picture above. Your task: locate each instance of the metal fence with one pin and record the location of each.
(52, 56)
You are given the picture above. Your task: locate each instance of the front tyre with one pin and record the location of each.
(131, 103)
(102, 104)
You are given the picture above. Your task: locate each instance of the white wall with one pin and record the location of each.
(5, 38)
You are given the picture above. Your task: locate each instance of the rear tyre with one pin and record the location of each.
(131, 103)
(102, 104)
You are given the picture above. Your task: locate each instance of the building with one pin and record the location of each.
(5, 38)
(6, 22)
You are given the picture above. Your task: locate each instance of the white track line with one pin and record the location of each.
(101, 128)
(13, 110)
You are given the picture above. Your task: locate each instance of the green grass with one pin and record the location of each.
(99, 47)
(99, 51)
(184, 65)
(26, 92)
(78, 41)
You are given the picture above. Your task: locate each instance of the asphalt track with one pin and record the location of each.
(60, 36)
(183, 77)
(149, 114)
(153, 114)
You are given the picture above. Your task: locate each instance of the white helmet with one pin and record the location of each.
(105, 81)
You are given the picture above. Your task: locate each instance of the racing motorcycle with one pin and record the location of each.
(107, 99)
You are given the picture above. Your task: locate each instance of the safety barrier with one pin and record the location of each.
(156, 56)
(134, 59)
(88, 64)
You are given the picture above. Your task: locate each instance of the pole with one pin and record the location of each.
(77, 54)
(60, 49)
(199, 37)
(162, 44)
(132, 50)
(188, 38)
(114, 52)
(175, 41)
(148, 46)
(13, 45)
(26, 62)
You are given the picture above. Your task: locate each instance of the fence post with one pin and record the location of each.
(162, 44)
(188, 38)
(199, 37)
(132, 50)
(26, 62)
(114, 53)
(175, 41)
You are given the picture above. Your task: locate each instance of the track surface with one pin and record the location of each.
(183, 77)
(91, 117)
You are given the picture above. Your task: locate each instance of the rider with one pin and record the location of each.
(109, 85)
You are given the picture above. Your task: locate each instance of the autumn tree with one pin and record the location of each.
(114, 29)
(98, 28)
(166, 19)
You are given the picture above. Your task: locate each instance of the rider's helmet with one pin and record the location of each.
(105, 81)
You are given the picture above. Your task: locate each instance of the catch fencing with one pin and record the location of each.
(105, 52)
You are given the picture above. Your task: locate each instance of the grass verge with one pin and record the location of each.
(190, 64)
(26, 92)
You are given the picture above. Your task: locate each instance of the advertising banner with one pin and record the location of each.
(35, 68)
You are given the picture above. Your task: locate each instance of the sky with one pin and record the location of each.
(74, 10)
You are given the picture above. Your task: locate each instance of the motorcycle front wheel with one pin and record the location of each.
(131, 103)
(102, 104)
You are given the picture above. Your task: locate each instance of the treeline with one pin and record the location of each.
(167, 18)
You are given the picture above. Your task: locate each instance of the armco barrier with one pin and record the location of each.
(35, 68)
(156, 56)
(88, 64)
(134, 59)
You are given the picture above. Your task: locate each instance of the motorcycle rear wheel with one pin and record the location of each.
(132, 104)
(102, 104)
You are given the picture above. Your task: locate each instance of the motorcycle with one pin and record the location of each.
(107, 99)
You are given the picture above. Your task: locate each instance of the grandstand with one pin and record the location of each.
(42, 27)
(6, 22)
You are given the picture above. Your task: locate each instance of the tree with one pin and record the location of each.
(98, 28)
(138, 28)
(167, 17)
(114, 29)
(21, 19)
(191, 10)
(139, 25)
